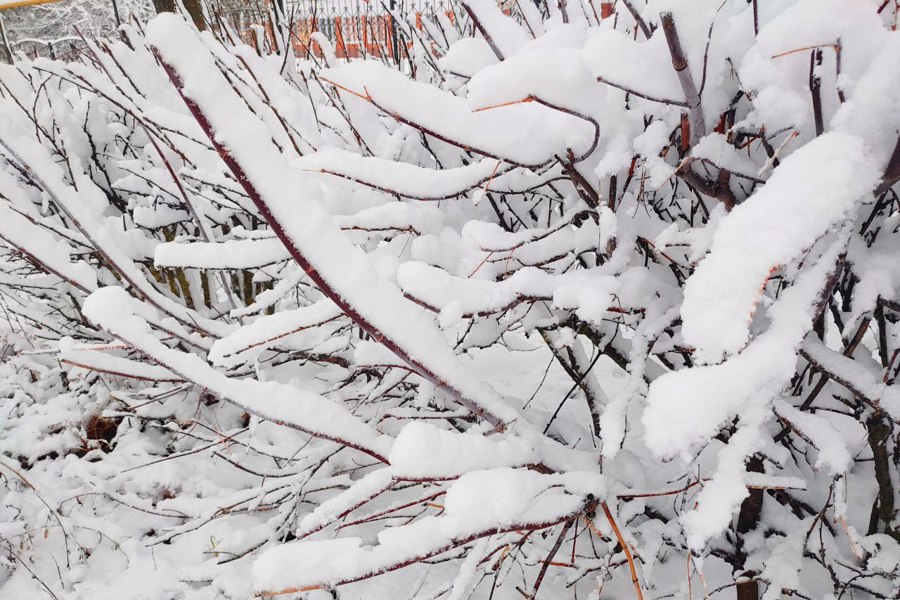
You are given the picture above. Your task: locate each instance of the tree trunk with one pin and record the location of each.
(879, 433)
(162, 6)
(193, 7)
(748, 518)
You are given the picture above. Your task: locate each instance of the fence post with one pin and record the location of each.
(339, 44)
(365, 31)
(394, 47)
(115, 6)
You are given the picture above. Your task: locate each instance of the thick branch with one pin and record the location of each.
(892, 172)
(324, 284)
(680, 63)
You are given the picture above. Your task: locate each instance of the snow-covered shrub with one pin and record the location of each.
(569, 305)
(66, 18)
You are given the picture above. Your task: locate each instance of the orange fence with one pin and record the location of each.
(359, 29)
(353, 36)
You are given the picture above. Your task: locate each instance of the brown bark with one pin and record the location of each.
(193, 7)
(748, 518)
(162, 6)
(879, 431)
(680, 64)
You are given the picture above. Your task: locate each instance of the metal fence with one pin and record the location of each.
(356, 28)
(67, 48)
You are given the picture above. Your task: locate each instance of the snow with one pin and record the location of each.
(796, 206)
(499, 320)
(644, 67)
(506, 35)
(742, 386)
(718, 392)
(367, 487)
(83, 204)
(524, 133)
(592, 296)
(716, 149)
(404, 179)
(268, 330)
(856, 377)
(233, 254)
(467, 57)
(93, 360)
(317, 238)
(555, 75)
(422, 451)
(833, 452)
(110, 308)
(22, 234)
(478, 504)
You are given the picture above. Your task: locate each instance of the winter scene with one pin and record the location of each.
(449, 299)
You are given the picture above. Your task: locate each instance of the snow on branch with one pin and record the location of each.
(394, 304)
(316, 244)
(111, 309)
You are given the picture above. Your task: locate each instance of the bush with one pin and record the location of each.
(563, 305)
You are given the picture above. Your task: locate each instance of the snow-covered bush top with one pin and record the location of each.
(594, 300)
